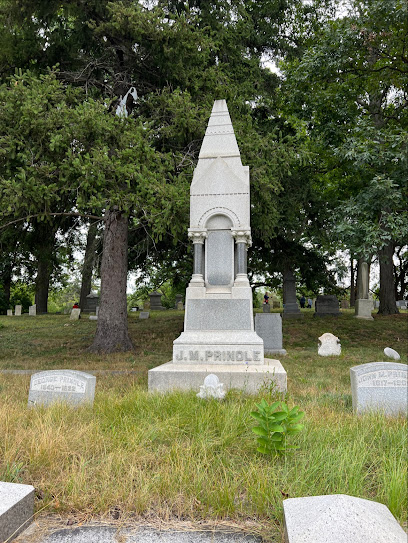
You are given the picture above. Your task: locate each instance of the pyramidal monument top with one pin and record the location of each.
(219, 139)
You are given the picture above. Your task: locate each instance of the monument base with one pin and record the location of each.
(282, 352)
(170, 376)
(363, 309)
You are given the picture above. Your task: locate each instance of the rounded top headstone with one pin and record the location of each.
(391, 353)
(211, 380)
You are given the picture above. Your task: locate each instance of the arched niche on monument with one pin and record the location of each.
(219, 251)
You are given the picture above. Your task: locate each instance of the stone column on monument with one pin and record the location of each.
(242, 242)
(364, 305)
(291, 308)
(198, 238)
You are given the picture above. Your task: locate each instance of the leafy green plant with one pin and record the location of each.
(276, 422)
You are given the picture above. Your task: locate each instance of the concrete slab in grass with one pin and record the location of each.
(339, 519)
(108, 534)
(16, 509)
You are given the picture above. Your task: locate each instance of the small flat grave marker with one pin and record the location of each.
(380, 386)
(144, 315)
(73, 387)
(391, 353)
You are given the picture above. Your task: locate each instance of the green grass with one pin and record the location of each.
(174, 457)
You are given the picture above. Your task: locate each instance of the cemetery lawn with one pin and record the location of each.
(175, 458)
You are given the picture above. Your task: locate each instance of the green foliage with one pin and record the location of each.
(275, 426)
(21, 294)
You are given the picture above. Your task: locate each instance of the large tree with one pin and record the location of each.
(349, 86)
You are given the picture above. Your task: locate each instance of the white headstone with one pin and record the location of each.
(32, 310)
(75, 314)
(391, 353)
(219, 335)
(144, 315)
(329, 345)
(380, 386)
(93, 318)
(72, 387)
(9, 312)
(17, 310)
(212, 388)
(339, 518)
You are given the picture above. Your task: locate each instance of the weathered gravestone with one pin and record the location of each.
(339, 518)
(70, 386)
(266, 308)
(212, 388)
(91, 303)
(291, 308)
(17, 310)
(179, 299)
(9, 312)
(329, 345)
(380, 386)
(32, 310)
(269, 328)
(75, 314)
(326, 306)
(391, 353)
(345, 304)
(93, 317)
(180, 306)
(219, 335)
(16, 509)
(155, 301)
(144, 315)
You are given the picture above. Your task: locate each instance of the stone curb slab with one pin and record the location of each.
(16, 509)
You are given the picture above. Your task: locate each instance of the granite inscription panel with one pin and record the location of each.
(73, 387)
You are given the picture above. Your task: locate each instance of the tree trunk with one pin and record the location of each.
(112, 329)
(387, 290)
(44, 253)
(6, 280)
(89, 261)
(352, 283)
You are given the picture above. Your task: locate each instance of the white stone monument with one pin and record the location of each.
(219, 335)
(329, 345)
(18, 310)
(9, 312)
(32, 310)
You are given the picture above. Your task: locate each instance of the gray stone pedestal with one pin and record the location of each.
(16, 509)
(155, 301)
(364, 309)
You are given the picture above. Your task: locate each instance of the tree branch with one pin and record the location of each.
(96, 218)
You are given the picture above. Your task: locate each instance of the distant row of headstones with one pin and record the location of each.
(328, 306)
